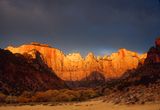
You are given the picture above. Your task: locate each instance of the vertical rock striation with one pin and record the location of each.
(73, 67)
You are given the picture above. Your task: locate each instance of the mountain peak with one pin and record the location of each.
(90, 56)
(39, 44)
(74, 56)
(75, 67)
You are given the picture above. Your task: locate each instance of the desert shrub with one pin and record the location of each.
(2, 97)
(27, 94)
(52, 93)
(22, 99)
(64, 97)
(39, 97)
(11, 99)
(34, 99)
(87, 94)
(77, 94)
(74, 94)
(49, 95)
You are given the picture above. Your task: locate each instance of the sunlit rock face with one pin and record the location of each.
(73, 67)
(153, 55)
(74, 57)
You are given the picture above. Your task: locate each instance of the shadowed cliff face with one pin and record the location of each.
(93, 80)
(73, 67)
(20, 73)
(153, 55)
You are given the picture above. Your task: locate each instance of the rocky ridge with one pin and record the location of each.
(74, 67)
(141, 85)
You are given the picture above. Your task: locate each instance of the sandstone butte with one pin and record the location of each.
(74, 67)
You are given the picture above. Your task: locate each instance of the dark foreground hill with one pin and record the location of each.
(20, 73)
(139, 86)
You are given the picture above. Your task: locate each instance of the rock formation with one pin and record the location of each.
(153, 55)
(20, 73)
(137, 86)
(73, 67)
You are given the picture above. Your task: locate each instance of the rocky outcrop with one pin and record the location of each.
(26, 72)
(153, 55)
(73, 67)
(141, 85)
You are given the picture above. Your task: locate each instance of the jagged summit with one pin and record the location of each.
(75, 67)
(32, 43)
(90, 56)
(40, 44)
(74, 57)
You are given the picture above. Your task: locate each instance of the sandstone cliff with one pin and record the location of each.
(73, 67)
(137, 86)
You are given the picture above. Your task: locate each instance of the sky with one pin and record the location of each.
(100, 26)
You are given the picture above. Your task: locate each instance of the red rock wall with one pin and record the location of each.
(74, 67)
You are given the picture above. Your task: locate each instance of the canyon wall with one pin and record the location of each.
(73, 67)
